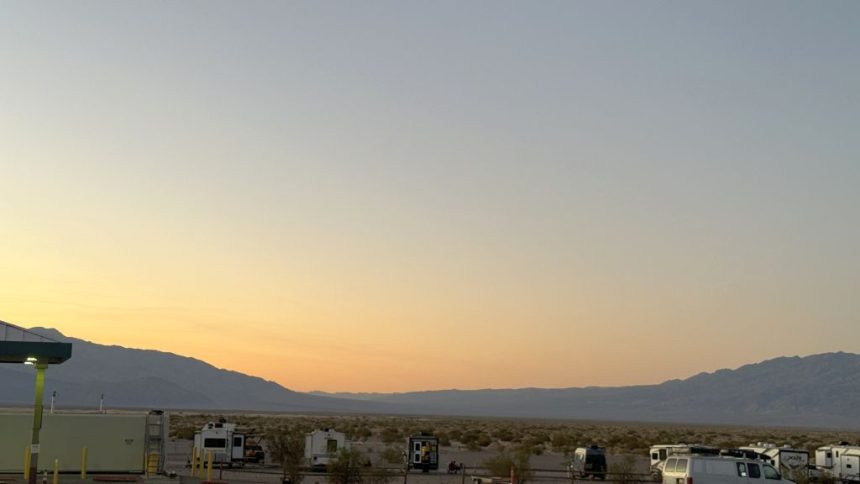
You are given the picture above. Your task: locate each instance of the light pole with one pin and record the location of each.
(53, 397)
(37, 418)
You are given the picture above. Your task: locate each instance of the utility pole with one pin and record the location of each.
(53, 396)
(102, 404)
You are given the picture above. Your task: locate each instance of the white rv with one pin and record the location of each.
(787, 460)
(588, 462)
(323, 445)
(702, 469)
(840, 462)
(661, 452)
(223, 441)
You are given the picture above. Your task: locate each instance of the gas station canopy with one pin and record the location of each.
(18, 345)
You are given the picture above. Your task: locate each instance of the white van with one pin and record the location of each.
(696, 469)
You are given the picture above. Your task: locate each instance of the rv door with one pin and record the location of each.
(238, 451)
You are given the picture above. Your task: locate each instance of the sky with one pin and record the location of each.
(395, 196)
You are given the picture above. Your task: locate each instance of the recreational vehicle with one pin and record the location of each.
(704, 469)
(226, 445)
(323, 445)
(840, 462)
(588, 462)
(787, 460)
(424, 452)
(659, 453)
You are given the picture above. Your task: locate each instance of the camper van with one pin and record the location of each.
(323, 445)
(588, 462)
(701, 469)
(223, 441)
(787, 460)
(840, 462)
(423, 452)
(659, 453)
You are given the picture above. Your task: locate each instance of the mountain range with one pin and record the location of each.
(815, 391)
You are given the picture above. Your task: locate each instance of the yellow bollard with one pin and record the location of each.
(209, 466)
(27, 463)
(83, 463)
(56, 471)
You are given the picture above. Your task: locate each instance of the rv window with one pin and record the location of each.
(237, 441)
(331, 446)
(663, 454)
(215, 443)
(770, 473)
(830, 455)
(742, 469)
(681, 466)
(417, 446)
(655, 456)
(754, 470)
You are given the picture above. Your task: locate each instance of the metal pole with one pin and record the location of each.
(102, 403)
(53, 396)
(37, 421)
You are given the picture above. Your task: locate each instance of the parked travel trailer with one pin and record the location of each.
(223, 441)
(787, 460)
(704, 469)
(588, 462)
(661, 452)
(424, 452)
(129, 442)
(323, 445)
(840, 462)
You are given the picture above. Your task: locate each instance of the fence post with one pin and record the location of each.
(56, 471)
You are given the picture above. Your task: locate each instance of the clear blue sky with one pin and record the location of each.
(500, 191)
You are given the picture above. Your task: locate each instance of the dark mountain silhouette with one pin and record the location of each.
(156, 379)
(818, 390)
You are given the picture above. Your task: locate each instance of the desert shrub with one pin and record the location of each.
(505, 434)
(288, 449)
(622, 470)
(393, 455)
(390, 435)
(346, 467)
(517, 460)
(444, 440)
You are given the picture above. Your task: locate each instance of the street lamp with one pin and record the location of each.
(18, 345)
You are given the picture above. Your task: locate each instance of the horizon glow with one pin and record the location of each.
(393, 197)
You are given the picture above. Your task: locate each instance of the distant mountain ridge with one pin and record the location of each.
(155, 379)
(814, 391)
(817, 390)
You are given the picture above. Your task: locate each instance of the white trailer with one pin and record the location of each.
(661, 452)
(840, 462)
(787, 460)
(226, 445)
(323, 445)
